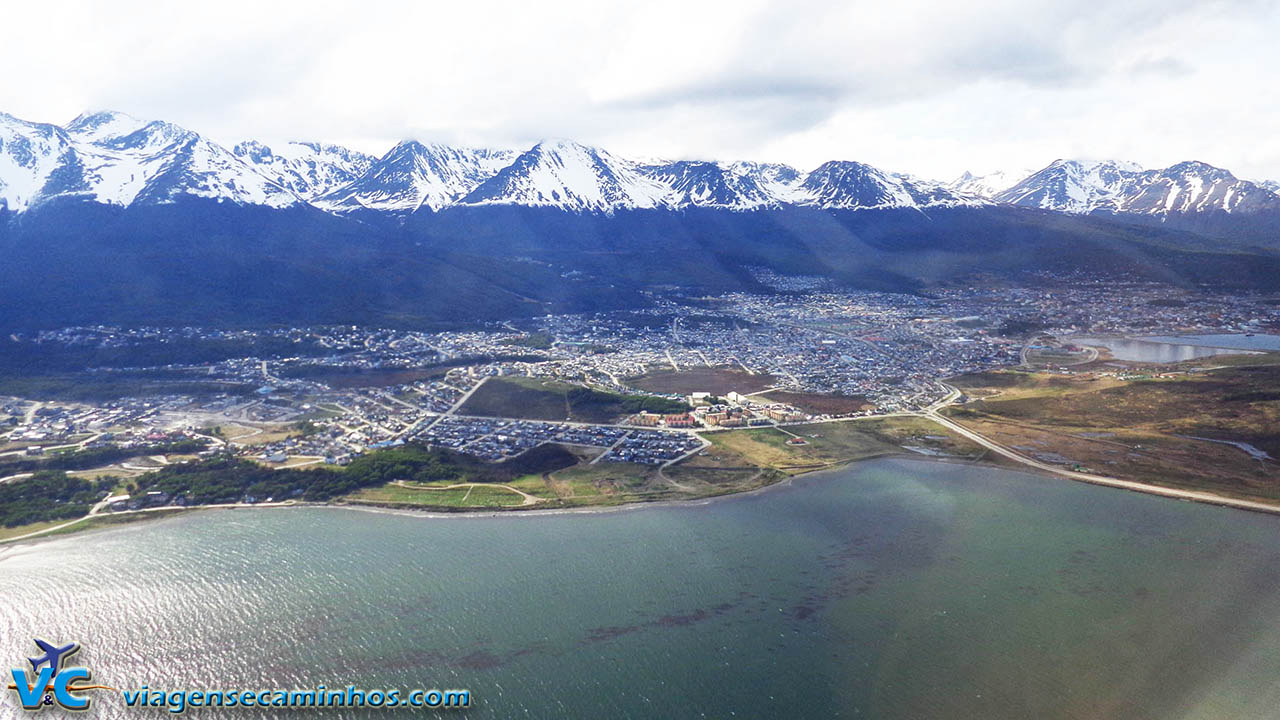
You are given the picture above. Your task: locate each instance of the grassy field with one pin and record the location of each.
(541, 399)
(580, 485)
(818, 403)
(10, 532)
(264, 435)
(97, 521)
(427, 496)
(606, 483)
(1143, 430)
(519, 397)
(834, 443)
(110, 471)
(715, 380)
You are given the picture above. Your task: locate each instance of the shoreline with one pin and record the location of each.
(1147, 339)
(1198, 497)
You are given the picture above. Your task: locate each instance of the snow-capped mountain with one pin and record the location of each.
(308, 170)
(413, 175)
(36, 161)
(988, 184)
(1076, 186)
(849, 185)
(1196, 187)
(1109, 187)
(116, 159)
(157, 162)
(1271, 185)
(738, 186)
(570, 176)
(112, 158)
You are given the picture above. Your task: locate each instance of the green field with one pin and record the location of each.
(424, 495)
(541, 399)
(715, 380)
(834, 443)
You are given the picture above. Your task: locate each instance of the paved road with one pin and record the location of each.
(1194, 495)
(1091, 354)
(467, 396)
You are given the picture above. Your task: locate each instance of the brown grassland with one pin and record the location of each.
(1143, 429)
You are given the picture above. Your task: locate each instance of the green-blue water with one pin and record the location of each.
(1249, 341)
(892, 589)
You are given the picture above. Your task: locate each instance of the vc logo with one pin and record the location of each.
(53, 682)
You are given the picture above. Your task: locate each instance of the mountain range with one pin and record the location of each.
(110, 157)
(115, 219)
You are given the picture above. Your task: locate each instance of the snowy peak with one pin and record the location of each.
(848, 185)
(1075, 186)
(308, 170)
(572, 177)
(1114, 187)
(113, 158)
(737, 186)
(115, 131)
(197, 167)
(37, 161)
(1196, 187)
(989, 184)
(104, 125)
(413, 175)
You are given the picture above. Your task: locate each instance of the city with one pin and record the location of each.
(735, 361)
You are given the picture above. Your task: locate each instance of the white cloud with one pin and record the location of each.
(931, 88)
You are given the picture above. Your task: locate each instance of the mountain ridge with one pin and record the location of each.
(114, 158)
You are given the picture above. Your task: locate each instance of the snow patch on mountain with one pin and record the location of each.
(36, 161)
(735, 186)
(989, 184)
(1111, 187)
(571, 176)
(413, 175)
(114, 158)
(117, 159)
(104, 125)
(848, 185)
(308, 170)
(1076, 186)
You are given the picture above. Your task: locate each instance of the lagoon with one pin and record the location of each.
(1152, 349)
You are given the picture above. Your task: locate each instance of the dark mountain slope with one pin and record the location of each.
(199, 262)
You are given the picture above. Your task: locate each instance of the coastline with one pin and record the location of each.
(427, 512)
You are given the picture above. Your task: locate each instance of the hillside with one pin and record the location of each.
(201, 262)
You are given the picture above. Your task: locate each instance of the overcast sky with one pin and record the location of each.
(930, 88)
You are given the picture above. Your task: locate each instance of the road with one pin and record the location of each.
(1091, 354)
(932, 413)
(97, 510)
(662, 475)
(609, 449)
(466, 396)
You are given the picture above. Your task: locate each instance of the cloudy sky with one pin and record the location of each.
(931, 88)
